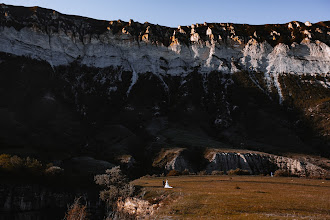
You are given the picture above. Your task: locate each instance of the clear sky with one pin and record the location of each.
(186, 12)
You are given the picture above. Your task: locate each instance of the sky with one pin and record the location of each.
(173, 13)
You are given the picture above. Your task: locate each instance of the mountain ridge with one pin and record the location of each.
(111, 88)
(33, 12)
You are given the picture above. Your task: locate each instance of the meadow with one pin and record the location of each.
(237, 197)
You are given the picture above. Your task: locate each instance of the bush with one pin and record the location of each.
(116, 185)
(5, 164)
(279, 173)
(24, 166)
(54, 171)
(202, 173)
(217, 172)
(173, 173)
(185, 172)
(76, 211)
(33, 165)
(238, 171)
(17, 163)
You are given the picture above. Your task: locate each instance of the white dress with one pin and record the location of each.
(167, 186)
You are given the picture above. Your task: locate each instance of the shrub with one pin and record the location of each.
(202, 173)
(5, 162)
(238, 171)
(185, 172)
(48, 165)
(173, 173)
(22, 166)
(279, 173)
(16, 162)
(54, 171)
(146, 176)
(217, 172)
(116, 185)
(33, 165)
(76, 211)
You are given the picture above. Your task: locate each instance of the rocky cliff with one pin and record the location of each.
(254, 162)
(257, 163)
(296, 48)
(75, 86)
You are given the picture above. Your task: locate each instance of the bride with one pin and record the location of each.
(167, 186)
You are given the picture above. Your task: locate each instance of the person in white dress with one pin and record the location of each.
(167, 186)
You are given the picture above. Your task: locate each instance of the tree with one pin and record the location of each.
(116, 185)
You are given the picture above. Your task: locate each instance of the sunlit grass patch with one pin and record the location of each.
(241, 197)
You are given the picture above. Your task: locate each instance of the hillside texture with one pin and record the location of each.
(75, 86)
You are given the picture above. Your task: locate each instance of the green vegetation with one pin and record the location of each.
(238, 197)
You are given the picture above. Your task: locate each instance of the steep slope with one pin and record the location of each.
(107, 89)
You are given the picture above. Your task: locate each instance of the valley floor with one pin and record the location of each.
(237, 197)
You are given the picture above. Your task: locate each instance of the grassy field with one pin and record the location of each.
(238, 197)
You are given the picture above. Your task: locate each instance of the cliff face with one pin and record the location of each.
(60, 39)
(263, 164)
(110, 88)
(254, 162)
(294, 48)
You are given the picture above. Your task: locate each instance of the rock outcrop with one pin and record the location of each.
(172, 159)
(258, 163)
(253, 162)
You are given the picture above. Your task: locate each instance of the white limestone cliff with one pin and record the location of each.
(121, 50)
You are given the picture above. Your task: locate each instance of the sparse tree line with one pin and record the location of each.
(15, 165)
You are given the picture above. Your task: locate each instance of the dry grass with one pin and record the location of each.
(76, 211)
(240, 197)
